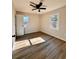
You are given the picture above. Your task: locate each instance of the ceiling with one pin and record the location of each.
(23, 5)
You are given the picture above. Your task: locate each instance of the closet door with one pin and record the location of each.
(19, 25)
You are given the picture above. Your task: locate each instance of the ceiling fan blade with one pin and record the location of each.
(33, 9)
(32, 5)
(43, 8)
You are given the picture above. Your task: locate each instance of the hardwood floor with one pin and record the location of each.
(52, 48)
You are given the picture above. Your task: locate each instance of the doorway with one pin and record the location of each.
(21, 24)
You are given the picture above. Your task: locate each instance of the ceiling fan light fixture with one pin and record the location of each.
(37, 6)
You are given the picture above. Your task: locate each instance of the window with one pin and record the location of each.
(55, 21)
(25, 20)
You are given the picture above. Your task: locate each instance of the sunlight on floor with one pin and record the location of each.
(26, 43)
(37, 40)
(21, 44)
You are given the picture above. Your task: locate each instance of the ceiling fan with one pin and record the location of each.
(38, 6)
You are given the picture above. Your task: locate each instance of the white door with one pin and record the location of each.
(19, 25)
(13, 29)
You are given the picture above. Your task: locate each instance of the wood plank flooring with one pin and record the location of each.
(52, 48)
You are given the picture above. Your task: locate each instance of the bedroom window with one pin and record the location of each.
(25, 20)
(55, 21)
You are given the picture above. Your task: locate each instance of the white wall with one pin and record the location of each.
(45, 24)
(33, 25)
